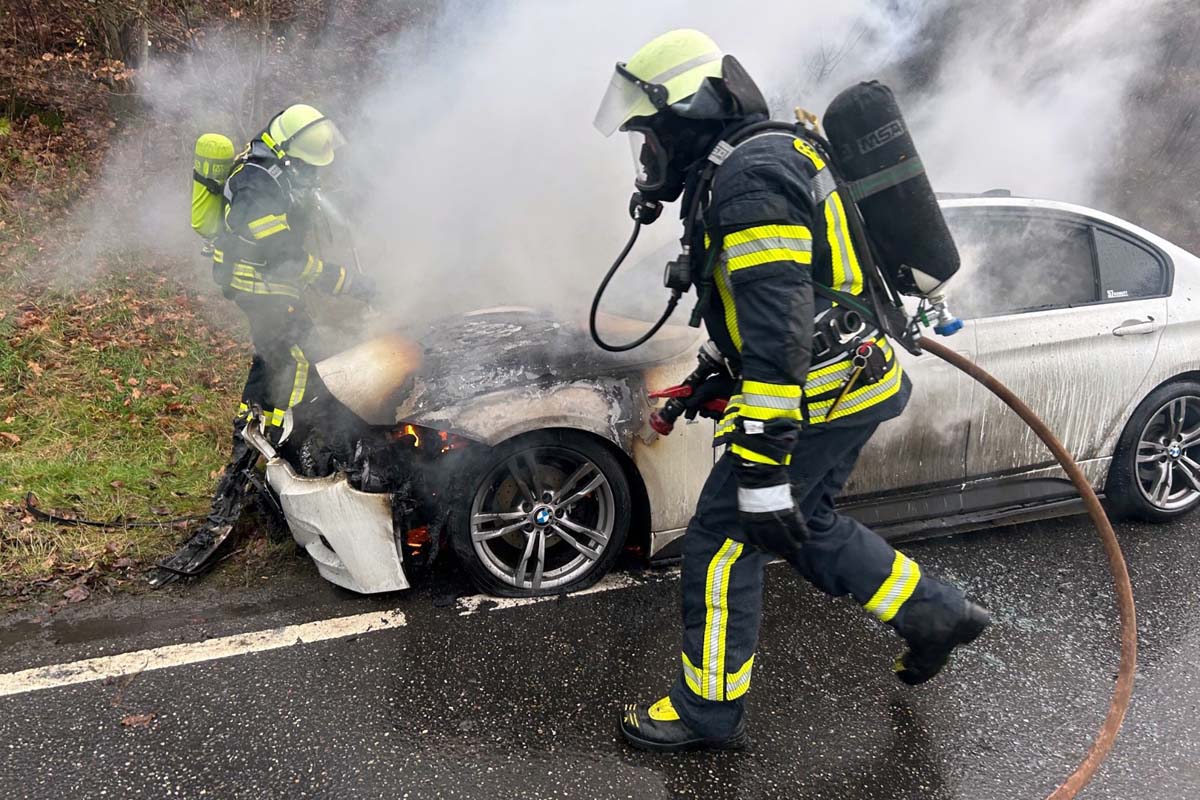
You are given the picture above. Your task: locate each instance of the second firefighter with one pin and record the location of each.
(770, 228)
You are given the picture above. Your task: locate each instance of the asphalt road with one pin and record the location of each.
(523, 701)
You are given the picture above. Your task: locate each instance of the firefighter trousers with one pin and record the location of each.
(722, 577)
(279, 371)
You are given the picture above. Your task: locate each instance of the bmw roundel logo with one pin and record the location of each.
(542, 516)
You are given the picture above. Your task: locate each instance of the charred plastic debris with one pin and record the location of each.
(386, 449)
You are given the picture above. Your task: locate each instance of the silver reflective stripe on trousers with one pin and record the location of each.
(771, 498)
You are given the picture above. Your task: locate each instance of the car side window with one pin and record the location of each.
(1127, 269)
(1014, 262)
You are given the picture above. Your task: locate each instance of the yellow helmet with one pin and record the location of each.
(668, 70)
(305, 134)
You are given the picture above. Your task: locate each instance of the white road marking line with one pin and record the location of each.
(483, 602)
(55, 676)
(175, 655)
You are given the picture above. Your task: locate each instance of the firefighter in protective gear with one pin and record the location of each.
(261, 262)
(807, 401)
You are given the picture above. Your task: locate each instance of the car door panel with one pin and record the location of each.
(926, 445)
(1073, 368)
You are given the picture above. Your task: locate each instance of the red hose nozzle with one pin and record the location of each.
(661, 424)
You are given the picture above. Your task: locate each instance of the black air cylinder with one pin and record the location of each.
(868, 134)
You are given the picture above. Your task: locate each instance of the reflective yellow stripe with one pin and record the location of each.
(691, 675)
(732, 409)
(738, 683)
(716, 599)
(341, 280)
(312, 268)
(771, 389)
(769, 257)
(859, 399)
(277, 417)
(725, 292)
(847, 275)
(766, 232)
(832, 377)
(764, 244)
(248, 279)
(758, 458)
(896, 590)
(301, 380)
(263, 288)
(270, 231)
(266, 226)
(765, 413)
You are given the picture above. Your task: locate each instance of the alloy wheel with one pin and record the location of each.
(542, 518)
(1168, 455)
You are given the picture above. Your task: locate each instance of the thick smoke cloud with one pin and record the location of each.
(1030, 96)
(487, 176)
(474, 176)
(487, 172)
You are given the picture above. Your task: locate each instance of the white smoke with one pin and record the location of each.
(474, 176)
(486, 174)
(1031, 95)
(487, 177)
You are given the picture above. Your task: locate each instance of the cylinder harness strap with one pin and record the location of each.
(885, 179)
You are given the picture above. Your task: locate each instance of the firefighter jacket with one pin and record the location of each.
(774, 227)
(261, 250)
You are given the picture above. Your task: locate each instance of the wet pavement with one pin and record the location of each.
(523, 701)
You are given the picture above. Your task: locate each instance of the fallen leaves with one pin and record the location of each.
(10, 437)
(138, 720)
(77, 593)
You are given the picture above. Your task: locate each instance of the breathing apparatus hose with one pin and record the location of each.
(1116, 564)
(670, 309)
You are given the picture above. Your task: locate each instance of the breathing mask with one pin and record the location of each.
(673, 98)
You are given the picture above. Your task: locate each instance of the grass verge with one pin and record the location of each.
(115, 402)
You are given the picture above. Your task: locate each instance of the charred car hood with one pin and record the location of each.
(487, 362)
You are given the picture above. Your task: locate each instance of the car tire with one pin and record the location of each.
(1154, 444)
(523, 503)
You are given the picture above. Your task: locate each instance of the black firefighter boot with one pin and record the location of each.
(659, 729)
(932, 635)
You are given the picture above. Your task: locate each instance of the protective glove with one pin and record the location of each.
(767, 508)
(362, 287)
(709, 399)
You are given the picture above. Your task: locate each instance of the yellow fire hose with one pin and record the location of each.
(1116, 564)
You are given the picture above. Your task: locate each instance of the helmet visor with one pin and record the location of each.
(314, 143)
(623, 101)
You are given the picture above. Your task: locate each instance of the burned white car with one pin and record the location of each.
(506, 437)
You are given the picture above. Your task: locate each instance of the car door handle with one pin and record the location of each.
(1136, 327)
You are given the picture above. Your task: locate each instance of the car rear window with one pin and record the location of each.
(1013, 263)
(1128, 269)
